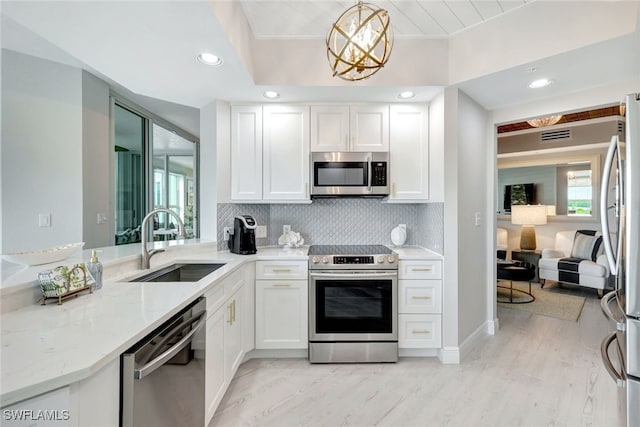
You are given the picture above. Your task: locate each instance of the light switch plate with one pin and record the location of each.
(44, 220)
(227, 232)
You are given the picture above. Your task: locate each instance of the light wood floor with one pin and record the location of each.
(537, 371)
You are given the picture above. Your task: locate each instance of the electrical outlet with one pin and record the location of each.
(44, 220)
(261, 232)
(227, 233)
(477, 219)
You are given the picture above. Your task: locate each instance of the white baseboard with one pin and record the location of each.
(301, 353)
(493, 326)
(449, 355)
(474, 340)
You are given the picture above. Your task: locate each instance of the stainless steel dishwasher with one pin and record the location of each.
(162, 377)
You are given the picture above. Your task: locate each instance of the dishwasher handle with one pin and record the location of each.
(158, 361)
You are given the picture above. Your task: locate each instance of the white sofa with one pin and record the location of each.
(571, 261)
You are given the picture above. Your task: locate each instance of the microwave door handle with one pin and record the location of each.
(604, 350)
(369, 157)
(604, 218)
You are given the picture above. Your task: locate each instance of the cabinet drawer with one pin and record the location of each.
(420, 269)
(281, 270)
(420, 296)
(419, 331)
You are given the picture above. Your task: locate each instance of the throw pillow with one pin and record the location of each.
(586, 246)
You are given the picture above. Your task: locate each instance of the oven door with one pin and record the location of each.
(348, 306)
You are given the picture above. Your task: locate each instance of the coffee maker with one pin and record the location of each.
(243, 239)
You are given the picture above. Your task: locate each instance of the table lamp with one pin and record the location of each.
(528, 216)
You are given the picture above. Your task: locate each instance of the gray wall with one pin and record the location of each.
(342, 221)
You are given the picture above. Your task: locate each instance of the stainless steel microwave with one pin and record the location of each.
(349, 174)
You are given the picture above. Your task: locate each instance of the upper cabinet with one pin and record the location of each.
(285, 152)
(350, 128)
(270, 154)
(409, 153)
(246, 153)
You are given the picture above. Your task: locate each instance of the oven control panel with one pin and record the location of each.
(347, 259)
(353, 261)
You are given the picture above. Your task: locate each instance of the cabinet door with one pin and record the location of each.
(419, 331)
(246, 153)
(233, 335)
(214, 385)
(281, 314)
(329, 128)
(286, 153)
(249, 309)
(369, 128)
(409, 152)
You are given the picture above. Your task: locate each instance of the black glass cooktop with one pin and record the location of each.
(349, 250)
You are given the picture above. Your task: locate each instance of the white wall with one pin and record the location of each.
(97, 153)
(472, 201)
(41, 152)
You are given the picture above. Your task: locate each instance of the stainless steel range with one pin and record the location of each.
(353, 310)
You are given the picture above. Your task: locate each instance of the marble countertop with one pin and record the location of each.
(46, 347)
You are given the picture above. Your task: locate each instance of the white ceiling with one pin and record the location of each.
(149, 48)
(411, 18)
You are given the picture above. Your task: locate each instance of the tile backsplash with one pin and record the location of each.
(342, 221)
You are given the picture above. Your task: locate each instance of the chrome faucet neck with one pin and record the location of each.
(146, 254)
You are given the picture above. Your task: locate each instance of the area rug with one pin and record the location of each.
(549, 302)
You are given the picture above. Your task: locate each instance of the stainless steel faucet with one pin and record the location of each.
(146, 254)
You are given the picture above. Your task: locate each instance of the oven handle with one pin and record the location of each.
(355, 274)
(151, 366)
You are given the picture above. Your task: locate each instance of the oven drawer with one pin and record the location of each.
(419, 296)
(431, 269)
(419, 331)
(268, 270)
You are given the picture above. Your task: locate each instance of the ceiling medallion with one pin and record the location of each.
(360, 42)
(545, 121)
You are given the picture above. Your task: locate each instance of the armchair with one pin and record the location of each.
(577, 258)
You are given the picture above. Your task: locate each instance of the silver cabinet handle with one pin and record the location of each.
(422, 269)
(420, 297)
(420, 331)
(281, 270)
(282, 285)
(230, 321)
(154, 364)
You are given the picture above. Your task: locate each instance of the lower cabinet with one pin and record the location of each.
(419, 304)
(281, 305)
(281, 314)
(227, 335)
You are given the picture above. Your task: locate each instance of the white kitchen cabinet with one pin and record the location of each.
(361, 128)
(281, 314)
(329, 128)
(281, 305)
(246, 153)
(285, 153)
(215, 384)
(233, 349)
(249, 309)
(419, 304)
(409, 153)
(369, 127)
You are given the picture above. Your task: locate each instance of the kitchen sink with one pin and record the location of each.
(182, 272)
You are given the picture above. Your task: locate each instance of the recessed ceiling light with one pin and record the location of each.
(209, 59)
(407, 94)
(537, 84)
(271, 94)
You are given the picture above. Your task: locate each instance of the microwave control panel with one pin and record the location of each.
(378, 174)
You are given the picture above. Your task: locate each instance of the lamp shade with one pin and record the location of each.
(529, 214)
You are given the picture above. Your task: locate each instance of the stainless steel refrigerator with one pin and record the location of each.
(620, 218)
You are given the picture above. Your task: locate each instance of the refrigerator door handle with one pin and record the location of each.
(618, 377)
(605, 306)
(604, 218)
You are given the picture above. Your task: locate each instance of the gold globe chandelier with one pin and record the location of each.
(545, 121)
(360, 42)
